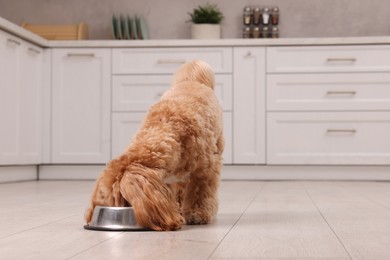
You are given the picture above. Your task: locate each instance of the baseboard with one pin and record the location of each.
(70, 172)
(18, 173)
(240, 172)
(289, 172)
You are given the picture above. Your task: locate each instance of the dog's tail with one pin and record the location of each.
(195, 71)
(152, 200)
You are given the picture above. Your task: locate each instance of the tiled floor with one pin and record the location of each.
(256, 220)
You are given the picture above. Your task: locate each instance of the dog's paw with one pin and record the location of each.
(197, 218)
(167, 225)
(182, 220)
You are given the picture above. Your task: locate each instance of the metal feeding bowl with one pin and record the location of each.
(114, 219)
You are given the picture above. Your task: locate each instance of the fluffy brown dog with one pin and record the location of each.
(170, 172)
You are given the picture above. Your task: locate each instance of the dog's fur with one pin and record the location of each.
(170, 172)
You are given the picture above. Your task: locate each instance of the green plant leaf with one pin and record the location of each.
(206, 14)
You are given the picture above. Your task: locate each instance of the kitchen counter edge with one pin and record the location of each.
(33, 38)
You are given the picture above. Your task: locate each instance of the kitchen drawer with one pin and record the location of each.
(328, 138)
(310, 92)
(167, 60)
(328, 59)
(138, 93)
(125, 126)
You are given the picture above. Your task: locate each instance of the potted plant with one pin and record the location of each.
(206, 22)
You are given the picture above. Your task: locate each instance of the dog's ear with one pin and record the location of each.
(198, 71)
(107, 191)
(102, 195)
(151, 198)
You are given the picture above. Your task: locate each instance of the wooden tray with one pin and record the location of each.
(59, 32)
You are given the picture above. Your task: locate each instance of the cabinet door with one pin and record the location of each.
(20, 101)
(81, 106)
(249, 106)
(125, 125)
(31, 110)
(10, 51)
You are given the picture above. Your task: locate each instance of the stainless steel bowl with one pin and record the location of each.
(113, 219)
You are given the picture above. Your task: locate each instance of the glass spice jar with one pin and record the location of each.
(266, 16)
(247, 15)
(246, 33)
(275, 32)
(265, 32)
(256, 16)
(256, 32)
(275, 16)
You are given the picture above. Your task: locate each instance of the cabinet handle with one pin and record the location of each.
(352, 60)
(34, 50)
(350, 92)
(169, 61)
(335, 130)
(87, 55)
(13, 41)
(248, 54)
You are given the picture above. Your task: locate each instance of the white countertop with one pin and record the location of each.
(24, 34)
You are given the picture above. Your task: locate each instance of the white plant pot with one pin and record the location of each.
(205, 31)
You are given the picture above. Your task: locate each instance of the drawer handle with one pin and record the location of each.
(347, 131)
(351, 93)
(171, 61)
(13, 41)
(86, 55)
(34, 51)
(352, 60)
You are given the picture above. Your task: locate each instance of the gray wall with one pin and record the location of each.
(167, 19)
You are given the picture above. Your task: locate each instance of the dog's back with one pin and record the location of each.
(188, 119)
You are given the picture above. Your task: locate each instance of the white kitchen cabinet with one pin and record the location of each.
(168, 60)
(312, 59)
(125, 125)
(328, 92)
(10, 52)
(329, 138)
(320, 111)
(142, 75)
(21, 67)
(227, 155)
(81, 88)
(137, 92)
(31, 106)
(134, 94)
(249, 105)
